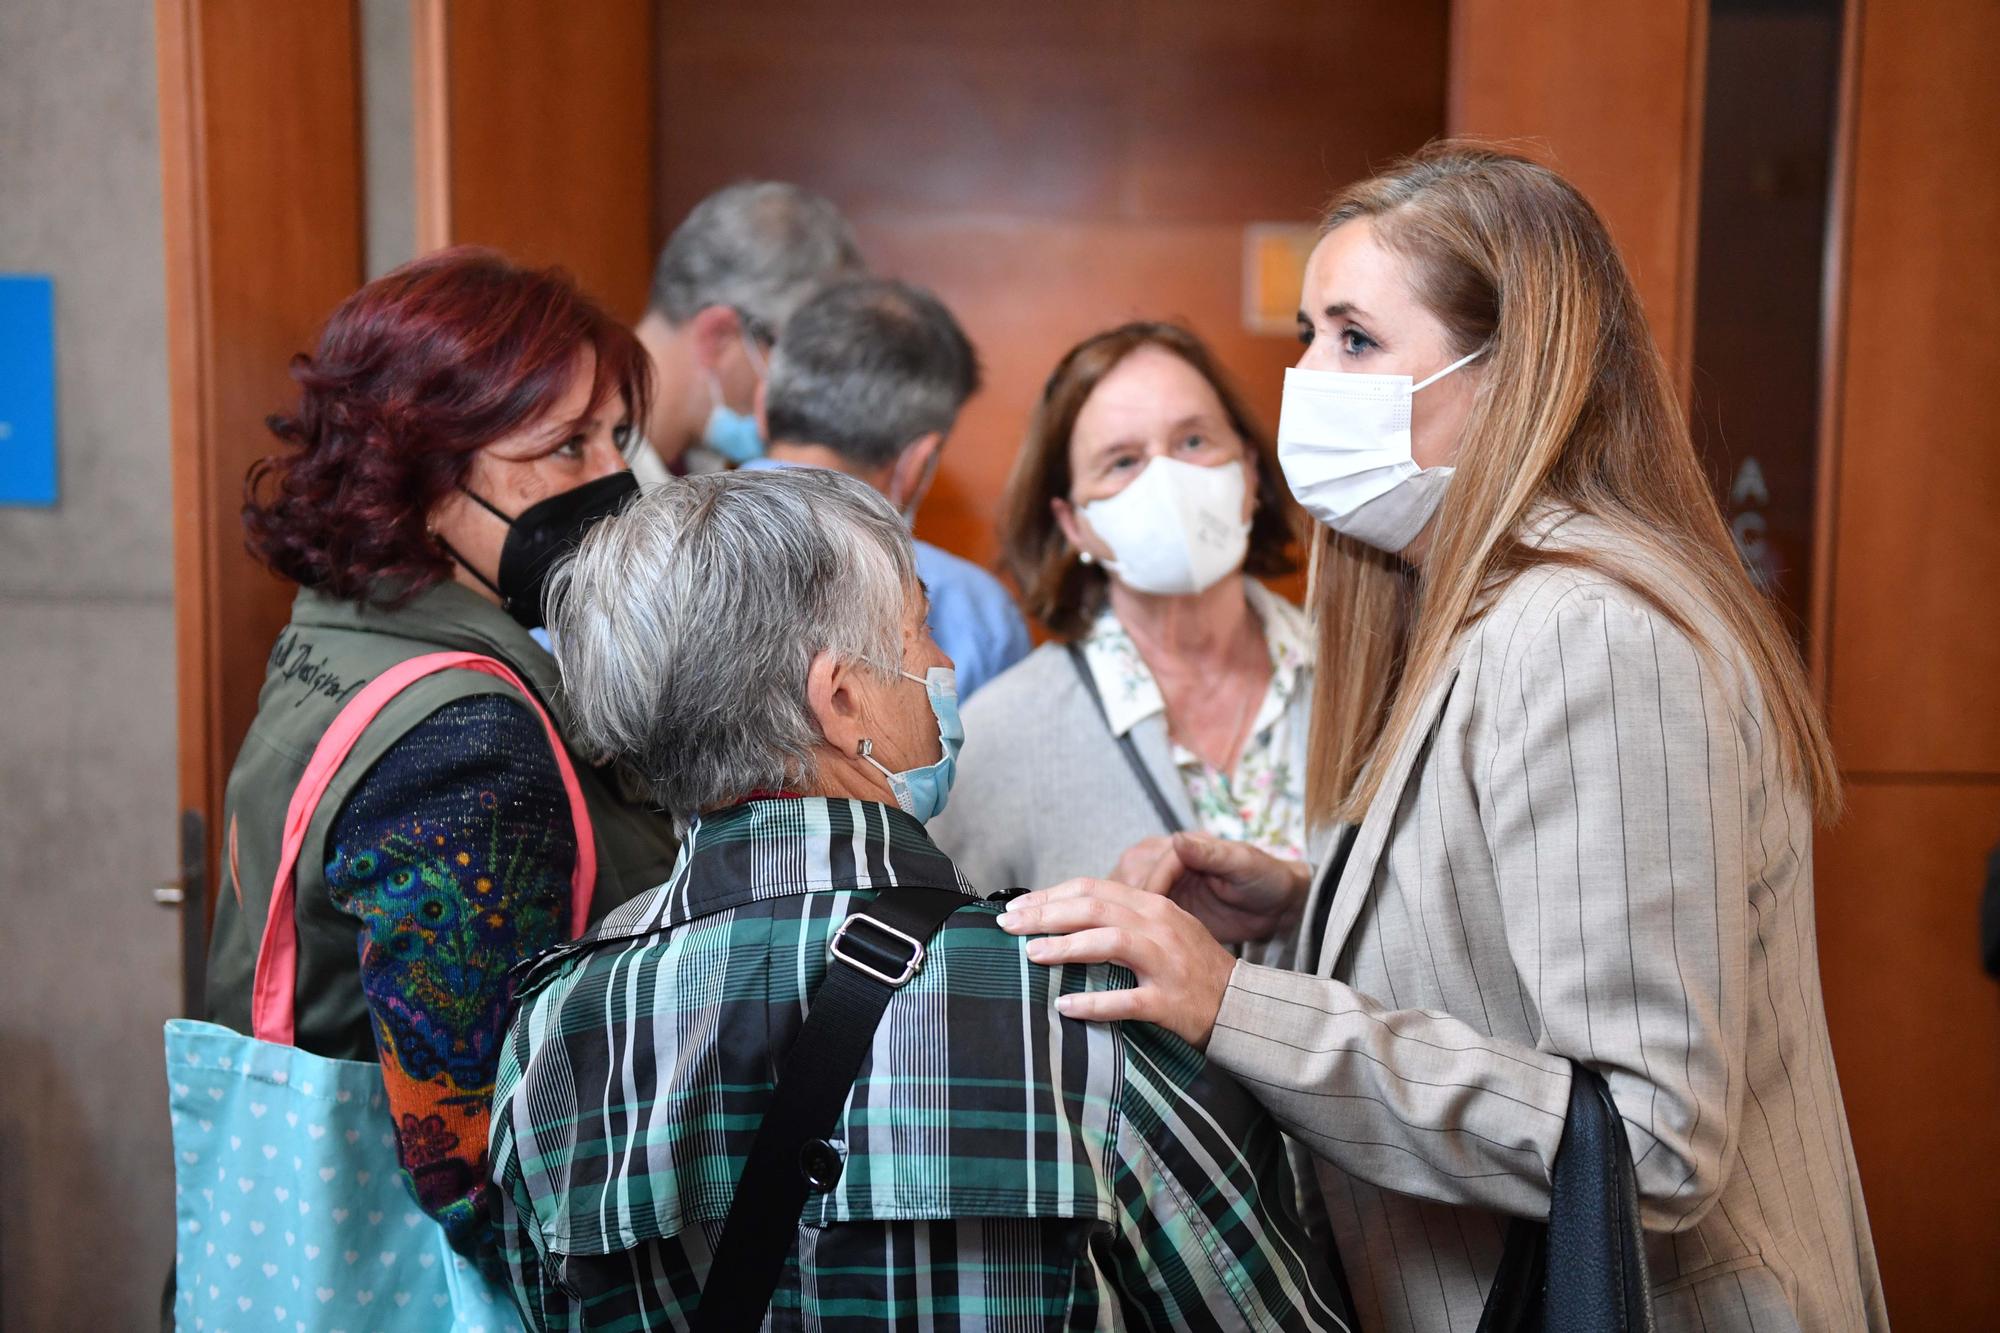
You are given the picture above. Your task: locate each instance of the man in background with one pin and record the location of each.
(868, 381)
(728, 280)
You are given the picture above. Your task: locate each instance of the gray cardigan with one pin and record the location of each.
(1043, 793)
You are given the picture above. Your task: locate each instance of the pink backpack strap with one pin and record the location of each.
(273, 992)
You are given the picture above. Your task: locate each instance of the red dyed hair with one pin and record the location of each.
(415, 372)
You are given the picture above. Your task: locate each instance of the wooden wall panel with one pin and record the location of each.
(1050, 169)
(534, 128)
(1908, 618)
(1914, 645)
(1611, 96)
(260, 141)
(1916, 1031)
(1087, 276)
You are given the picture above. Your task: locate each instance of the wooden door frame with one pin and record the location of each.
(259, 246)
(480, 75)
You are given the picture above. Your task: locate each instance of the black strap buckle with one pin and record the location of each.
(896, 967)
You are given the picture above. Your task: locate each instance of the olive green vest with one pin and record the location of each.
(323, 657)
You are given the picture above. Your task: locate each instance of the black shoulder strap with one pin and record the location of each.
(874, 953)
(1161, 807)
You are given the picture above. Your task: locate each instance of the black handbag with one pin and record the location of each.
(1584, 1270)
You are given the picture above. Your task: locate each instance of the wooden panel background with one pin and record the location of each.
(1914, 644)
(1916, 1031)
(534, 135)
(1910, 649)
(1611, 96)
(260, 146)
(1049, 169)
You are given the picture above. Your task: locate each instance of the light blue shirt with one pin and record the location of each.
(972, 616)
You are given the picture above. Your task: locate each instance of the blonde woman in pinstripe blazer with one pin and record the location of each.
(1582, 768)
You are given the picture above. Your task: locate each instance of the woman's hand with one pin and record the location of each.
(1181, 970)
(1237, 891)
(1136, 865)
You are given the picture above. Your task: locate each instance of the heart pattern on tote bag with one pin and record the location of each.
(313, 1230)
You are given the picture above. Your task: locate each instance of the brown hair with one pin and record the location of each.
(415, 373)
(1060, 590)
(1576, 411)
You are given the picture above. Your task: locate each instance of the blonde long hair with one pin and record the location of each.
(1576, 410)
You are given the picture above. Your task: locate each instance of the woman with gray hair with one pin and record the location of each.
(753, 646)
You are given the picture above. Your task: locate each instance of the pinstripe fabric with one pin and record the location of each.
(1587, 850)
(1004, 1168)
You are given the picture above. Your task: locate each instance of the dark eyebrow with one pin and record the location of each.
(1343, 309)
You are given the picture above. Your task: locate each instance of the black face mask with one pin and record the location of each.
(542, 534)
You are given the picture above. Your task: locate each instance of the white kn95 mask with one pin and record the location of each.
(1176, 529)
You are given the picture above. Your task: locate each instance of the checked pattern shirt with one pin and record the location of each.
(1004, 1167)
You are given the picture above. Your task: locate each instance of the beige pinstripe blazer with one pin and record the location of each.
(1587, 849)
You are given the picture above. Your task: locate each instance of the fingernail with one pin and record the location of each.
(1038, 950)
(1065, 1003)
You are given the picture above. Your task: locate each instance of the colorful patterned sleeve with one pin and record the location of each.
(455, 853)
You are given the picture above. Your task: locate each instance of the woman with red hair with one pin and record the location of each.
(461, 424)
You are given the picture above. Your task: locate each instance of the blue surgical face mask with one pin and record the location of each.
(922, 792)
(730, 433)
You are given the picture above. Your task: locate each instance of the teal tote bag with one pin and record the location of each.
(290, 1208)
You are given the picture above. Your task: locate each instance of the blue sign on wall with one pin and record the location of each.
(27, 390)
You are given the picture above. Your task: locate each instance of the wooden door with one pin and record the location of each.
(261, 163)
(1909, 627)
(534, 135)
(1609, 95)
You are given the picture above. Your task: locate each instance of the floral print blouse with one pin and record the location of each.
(1263, 800)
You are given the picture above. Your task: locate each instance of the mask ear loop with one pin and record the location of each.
(467, 566)
(487, 505)
(866, 748)
(1462, 361)
(460, 560)
(759, 362)
(922, 488)
(866, 751)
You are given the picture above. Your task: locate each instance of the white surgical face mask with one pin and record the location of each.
(1344, 444)
(1177, 528)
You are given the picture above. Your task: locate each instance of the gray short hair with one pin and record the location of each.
(686, 625)
(760, 247)
(867, 366)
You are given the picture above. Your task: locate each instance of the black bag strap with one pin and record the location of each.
(1584, 1271)
(1161, 806)
(873, 953)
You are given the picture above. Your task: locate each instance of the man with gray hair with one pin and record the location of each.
(729, 278)
(869, 381)
(752, 645)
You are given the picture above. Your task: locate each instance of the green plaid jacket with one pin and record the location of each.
(1004, 1167)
